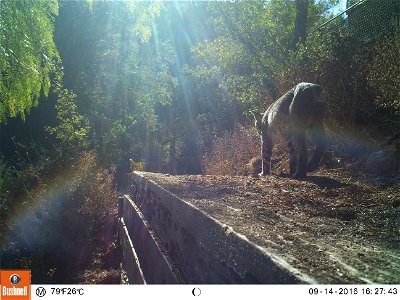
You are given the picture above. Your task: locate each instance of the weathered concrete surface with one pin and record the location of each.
(235, 229)
(325, 229)
(199, 248)
(150, 259)
(130, 262)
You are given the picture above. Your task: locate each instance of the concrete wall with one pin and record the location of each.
(174, 242)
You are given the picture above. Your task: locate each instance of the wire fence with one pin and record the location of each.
(367, 19)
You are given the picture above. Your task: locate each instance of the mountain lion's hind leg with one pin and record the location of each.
(266, 153)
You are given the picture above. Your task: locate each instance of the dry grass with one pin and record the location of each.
(231, 152)
(238, 153)
(73, 225)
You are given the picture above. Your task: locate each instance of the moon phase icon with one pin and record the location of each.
(196, 292)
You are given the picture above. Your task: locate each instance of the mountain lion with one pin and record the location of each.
(294, 115)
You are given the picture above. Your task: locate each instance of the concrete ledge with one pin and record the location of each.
(202, 249)
(130, 262)
(153, 263)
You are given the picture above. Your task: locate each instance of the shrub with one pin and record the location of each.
(77, 202)
(361, 79)
(230, 153)
(383, 74)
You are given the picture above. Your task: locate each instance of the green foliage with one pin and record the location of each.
(144, 16)
(383, 74)
(158, 82)
(253, 46)
(75, 202)
(357, 75)
(72, 129)
(253, 62)
(136, 166)
(124, 73)
(166, 86)
(28, 54)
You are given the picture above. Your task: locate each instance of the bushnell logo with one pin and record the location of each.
(15, 279)
(15, 284)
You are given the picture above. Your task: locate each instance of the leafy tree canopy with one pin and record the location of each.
(28, 54)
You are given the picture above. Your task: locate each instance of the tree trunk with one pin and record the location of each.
(300, 22)
(172, 155)
(172, 141)
(148, 151)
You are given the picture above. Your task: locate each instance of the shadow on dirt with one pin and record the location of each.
(321, 181)
(326, 182)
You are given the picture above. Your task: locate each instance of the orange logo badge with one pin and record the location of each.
(15, 284)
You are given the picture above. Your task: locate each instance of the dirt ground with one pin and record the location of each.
(333, 227)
